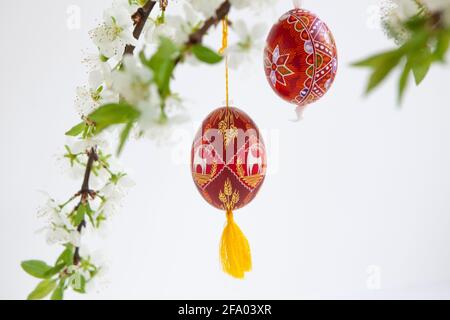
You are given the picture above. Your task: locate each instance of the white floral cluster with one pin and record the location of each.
(113, 75)
(108, 186)
(249, 38)
(59, 229)
(133, 81)
(442, 6)
(395, 13)
(107, 181)
(179, 27)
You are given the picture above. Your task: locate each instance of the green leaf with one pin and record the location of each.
(58, 293)
(66, 257)
(403, 83)
(442, 45)
(36, 268)
(206, 54)
(124, 137)
(90, 214)
(417, 22)
(113, 114)
(79, 215)
(381, 72)
(80, 285)
(379, 59)
(42, 290)
(420, 71)
(421, 62)
(76, 130)
(55, 270)
(162, 63)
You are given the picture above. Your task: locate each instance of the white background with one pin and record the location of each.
(358, 183)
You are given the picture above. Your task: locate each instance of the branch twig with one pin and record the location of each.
(140, 18)
(197, 36)
(84, 196)
(221, 13)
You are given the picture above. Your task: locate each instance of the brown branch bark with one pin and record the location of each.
(84, 193)
(140, 18)
(221, 13)
(197, 36)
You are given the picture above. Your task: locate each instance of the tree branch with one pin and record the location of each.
(140, 18)
(84, 193)
(197, 36)
(221, 13)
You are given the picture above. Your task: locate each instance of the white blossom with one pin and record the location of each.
(60, 230)
(151, 110)
(130, 5)
(113, 193)
(115, 32)
(252, 4)
(250, 41)
(158, 125)
(206, 7)
(132, 83)
(162, 129)
(84, 145)
(442, 6)
(73, 161)
(72, 168)
(156, 30)
(99, 178)
(96, 93)
(76, 273)
(59, 235)
(118, 189)
(93, 61)
(436, 5)
(162, 132)
(394, 14)
(99, 264)
(50, 207)
(175, 27)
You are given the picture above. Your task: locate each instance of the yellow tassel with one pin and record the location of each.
(234, 250)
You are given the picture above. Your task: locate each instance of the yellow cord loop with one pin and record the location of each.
(222, 51)
(235, 252)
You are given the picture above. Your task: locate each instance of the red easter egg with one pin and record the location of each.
(228, 159)
(300, 57)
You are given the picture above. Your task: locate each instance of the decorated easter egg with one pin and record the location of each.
(300, 58)
(228, 159)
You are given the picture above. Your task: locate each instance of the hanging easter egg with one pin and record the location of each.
(300, 57)
(228, 164)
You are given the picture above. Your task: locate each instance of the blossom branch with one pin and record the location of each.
(221, 13)
(85, 192)
(140, 18)
(422, 36)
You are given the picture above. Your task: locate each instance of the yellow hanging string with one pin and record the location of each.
(222, 51)
(235, 250)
